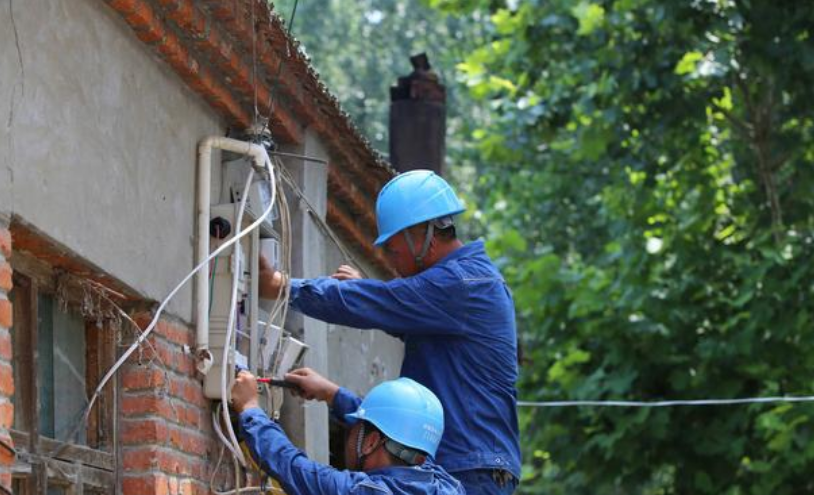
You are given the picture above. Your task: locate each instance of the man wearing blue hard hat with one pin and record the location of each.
(455, 314)
(394, 434)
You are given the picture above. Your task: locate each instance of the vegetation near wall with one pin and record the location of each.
(643, 171)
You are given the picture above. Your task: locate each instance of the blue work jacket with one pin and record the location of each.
(299, 475)
(457, 321)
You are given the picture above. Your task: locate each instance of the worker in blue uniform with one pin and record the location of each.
(455, 314)
(394, 433)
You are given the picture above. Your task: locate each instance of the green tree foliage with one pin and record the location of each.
(361, 47)
(648, 170)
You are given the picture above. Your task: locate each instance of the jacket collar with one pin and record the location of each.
(474, 248)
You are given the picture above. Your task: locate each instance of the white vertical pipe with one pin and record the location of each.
(258, 154)
(202, 280)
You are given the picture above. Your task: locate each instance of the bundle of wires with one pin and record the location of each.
(277, 314)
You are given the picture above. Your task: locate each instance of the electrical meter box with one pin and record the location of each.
(235, 173)
(244, 340)
(256, 345)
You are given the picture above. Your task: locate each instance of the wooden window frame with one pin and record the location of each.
(43, 461)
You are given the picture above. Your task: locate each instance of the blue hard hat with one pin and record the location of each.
(404, 411)
(411, 198)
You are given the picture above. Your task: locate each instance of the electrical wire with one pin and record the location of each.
(281, 307)
(666, 403)
(225, 442)
(147, 331)
(276, 83)
(322, 224)
(237, 272)
(219, 432)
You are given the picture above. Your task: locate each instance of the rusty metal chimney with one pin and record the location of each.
(418, 119)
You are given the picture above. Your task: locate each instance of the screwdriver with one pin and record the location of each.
(278, 383)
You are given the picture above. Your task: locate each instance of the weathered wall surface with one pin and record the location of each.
(307, 422)
(97, 142)
(98, 151)
(360, 359)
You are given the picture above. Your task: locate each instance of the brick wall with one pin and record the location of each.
(165, 431)
(6, 376)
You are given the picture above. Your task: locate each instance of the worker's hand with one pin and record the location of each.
(313, 386)
(346, 272)
(244, 392)
(271, 281)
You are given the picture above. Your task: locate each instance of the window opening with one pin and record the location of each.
(58, 357)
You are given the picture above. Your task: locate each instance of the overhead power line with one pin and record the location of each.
(666, 403)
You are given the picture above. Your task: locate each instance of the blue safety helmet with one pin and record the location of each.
(411, 198)
(404, 411)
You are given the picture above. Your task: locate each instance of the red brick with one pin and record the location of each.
(175, 332)
(189, 18)
(192, 416)
(185, 487)
(189, 441)
(6, 314)
(176, 387)
(143, 431)
(5, 345)
(156, 457)
(140, 458)
(141, 17)
(125, 6)
(6, 380)
(142, 378)
(5, 242)
(193, 394)
(152, 33)
(5, 277)
(173, 357)
(5, 480)
(149, 483)
(6, 415)
(135, 405)
(7, 454)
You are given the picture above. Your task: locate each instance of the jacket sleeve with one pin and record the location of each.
(422, 304)
(345, 402)
(278, 457)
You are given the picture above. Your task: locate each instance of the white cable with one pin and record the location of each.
(146, 333)
(665, 403)
(219, 432)
(227, 343)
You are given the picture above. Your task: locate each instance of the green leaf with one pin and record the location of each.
(590, 17)
(688, 63)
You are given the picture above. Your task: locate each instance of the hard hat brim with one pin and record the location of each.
(387, 235)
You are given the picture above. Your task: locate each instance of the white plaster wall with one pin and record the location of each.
(97, 142)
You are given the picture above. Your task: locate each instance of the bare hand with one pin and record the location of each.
(313, 386)
(346, 272)
(271, 281)
(244, 392)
